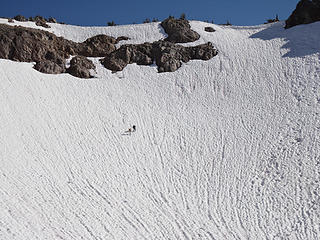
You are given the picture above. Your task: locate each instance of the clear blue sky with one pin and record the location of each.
(99, 12)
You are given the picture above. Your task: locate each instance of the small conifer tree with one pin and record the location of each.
(183, 16)
(112, 23)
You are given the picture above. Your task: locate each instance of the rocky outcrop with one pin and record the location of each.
(97, 46)
(307, 11)
(209, 29)
(179, 30)
(42, 24)
(80, 67)
(31, 45)
(127, 54)
(47, 50)
(167, 56)
(52, 20)
(50, 52)
(20, 18)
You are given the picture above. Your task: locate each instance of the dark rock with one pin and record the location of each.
(40, 18)
(52, 20)
(97, 46)
(179, 31)
(307, 11)
(168, 56)
(20, 18)
(50, 52)
(31, 19)
(42, 23)
(203, 52)
(31, 45)
(122, 38)
(80, 66)
(272, 20)
(47, 66)
(209, 29)
(10, 20)
(127, 54)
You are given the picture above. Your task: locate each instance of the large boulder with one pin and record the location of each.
(168, 56)
(202, 52)
(127, 54)
(209, 29)
(307, 11)
(80, 67)
(47, 66)
(97, 46)
(179, 30)
(51, 63)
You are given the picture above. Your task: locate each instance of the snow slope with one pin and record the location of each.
(224, 149)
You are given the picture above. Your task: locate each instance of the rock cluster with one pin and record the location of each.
(179, 30)
(167, 56)
(165, 53)
(307, 11)
(20, 18)
(39, 20)
(47, 50)
(50, 52)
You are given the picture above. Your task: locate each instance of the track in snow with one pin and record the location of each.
(225, 149)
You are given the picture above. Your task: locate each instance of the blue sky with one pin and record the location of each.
(99, 12)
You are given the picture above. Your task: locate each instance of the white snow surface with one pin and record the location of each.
(224, 149)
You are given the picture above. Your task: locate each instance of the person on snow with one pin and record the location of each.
(130, 130)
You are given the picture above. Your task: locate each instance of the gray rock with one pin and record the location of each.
(307, 11)
(179, 31)
(209, 29)
(80, 66)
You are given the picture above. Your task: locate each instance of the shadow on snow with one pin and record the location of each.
(302, 40)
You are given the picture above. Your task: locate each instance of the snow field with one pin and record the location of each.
(224, 149)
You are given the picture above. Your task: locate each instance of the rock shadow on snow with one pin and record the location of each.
(301, 40)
